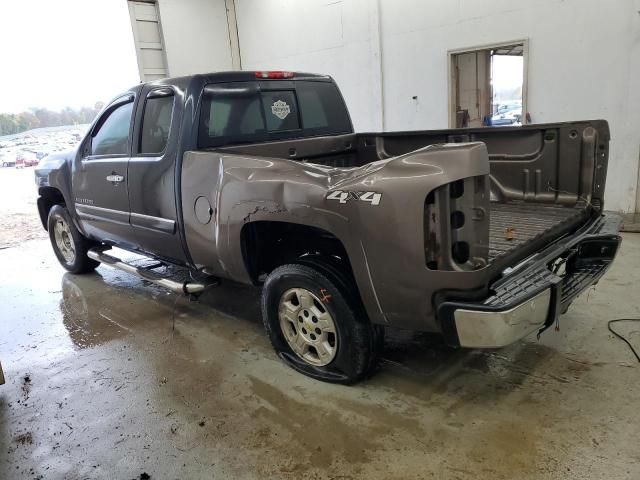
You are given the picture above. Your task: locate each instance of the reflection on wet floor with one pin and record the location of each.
(91, 318)
(126, 378)
(87, 326)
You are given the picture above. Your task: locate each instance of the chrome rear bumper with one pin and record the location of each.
(533, 294)
(478, 329)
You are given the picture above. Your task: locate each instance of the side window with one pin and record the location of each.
(113, 135)
(280, 111)
(156, 122)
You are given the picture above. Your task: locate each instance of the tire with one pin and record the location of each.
(69, 245)
(335, 322)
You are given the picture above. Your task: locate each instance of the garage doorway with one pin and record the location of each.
(488, 85)
(147, 36)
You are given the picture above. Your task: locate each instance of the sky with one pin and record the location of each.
(507, 75)
(59, 53)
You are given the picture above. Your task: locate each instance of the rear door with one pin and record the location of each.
(152, 171)
(100, 175)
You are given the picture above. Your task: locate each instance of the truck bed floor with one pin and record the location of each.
(528, 221)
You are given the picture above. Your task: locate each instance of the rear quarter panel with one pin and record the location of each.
(385, 242)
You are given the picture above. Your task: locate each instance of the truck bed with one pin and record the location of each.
(528, 222)
(532, 178)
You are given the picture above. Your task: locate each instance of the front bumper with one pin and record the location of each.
(530, 297)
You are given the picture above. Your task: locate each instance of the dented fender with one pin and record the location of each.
(376, 211)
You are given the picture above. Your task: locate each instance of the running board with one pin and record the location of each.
(186, 287)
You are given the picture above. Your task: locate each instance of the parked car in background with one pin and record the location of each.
(31, 161)
(39, 153)
(7, 159)
(508, 114)
(26, 159)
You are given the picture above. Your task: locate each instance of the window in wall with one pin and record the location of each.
(113, 135)
(156, 123)
(507, 72)
(488, 86)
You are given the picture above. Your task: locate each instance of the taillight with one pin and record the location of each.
(274, 74)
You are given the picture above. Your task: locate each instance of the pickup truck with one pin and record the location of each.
(483, 235)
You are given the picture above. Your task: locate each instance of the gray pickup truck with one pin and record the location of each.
(484, 235)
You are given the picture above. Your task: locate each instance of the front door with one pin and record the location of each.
(100, 176)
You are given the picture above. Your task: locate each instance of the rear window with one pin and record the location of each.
(241, 112)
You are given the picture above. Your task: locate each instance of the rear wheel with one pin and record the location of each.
(69, 245)
(317, 326)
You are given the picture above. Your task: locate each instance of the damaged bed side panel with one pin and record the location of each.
(376, 211)
(221, 193)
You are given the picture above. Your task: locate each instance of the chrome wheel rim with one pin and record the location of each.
(308, 327)
(64, 240)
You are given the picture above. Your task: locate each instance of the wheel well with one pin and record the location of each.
(267, 245)
(49, 196)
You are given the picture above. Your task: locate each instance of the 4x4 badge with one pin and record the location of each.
(341, 196)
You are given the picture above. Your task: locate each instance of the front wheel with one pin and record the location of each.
(317, 325)
(69, 245)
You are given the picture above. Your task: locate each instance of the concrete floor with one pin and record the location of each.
(101, 385)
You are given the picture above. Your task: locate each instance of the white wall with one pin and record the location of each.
(584, 63)
(196, 36)
(584, 57)
(339, 38)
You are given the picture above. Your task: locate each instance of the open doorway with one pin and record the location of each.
(488, 85)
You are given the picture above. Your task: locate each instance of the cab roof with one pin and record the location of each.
(241, 76)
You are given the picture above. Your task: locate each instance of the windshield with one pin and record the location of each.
(242, 112)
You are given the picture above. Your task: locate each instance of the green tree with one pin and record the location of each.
(43, 117)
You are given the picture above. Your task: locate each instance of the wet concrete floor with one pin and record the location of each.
(108, 377)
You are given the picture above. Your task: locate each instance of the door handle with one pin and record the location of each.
(115, 178)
